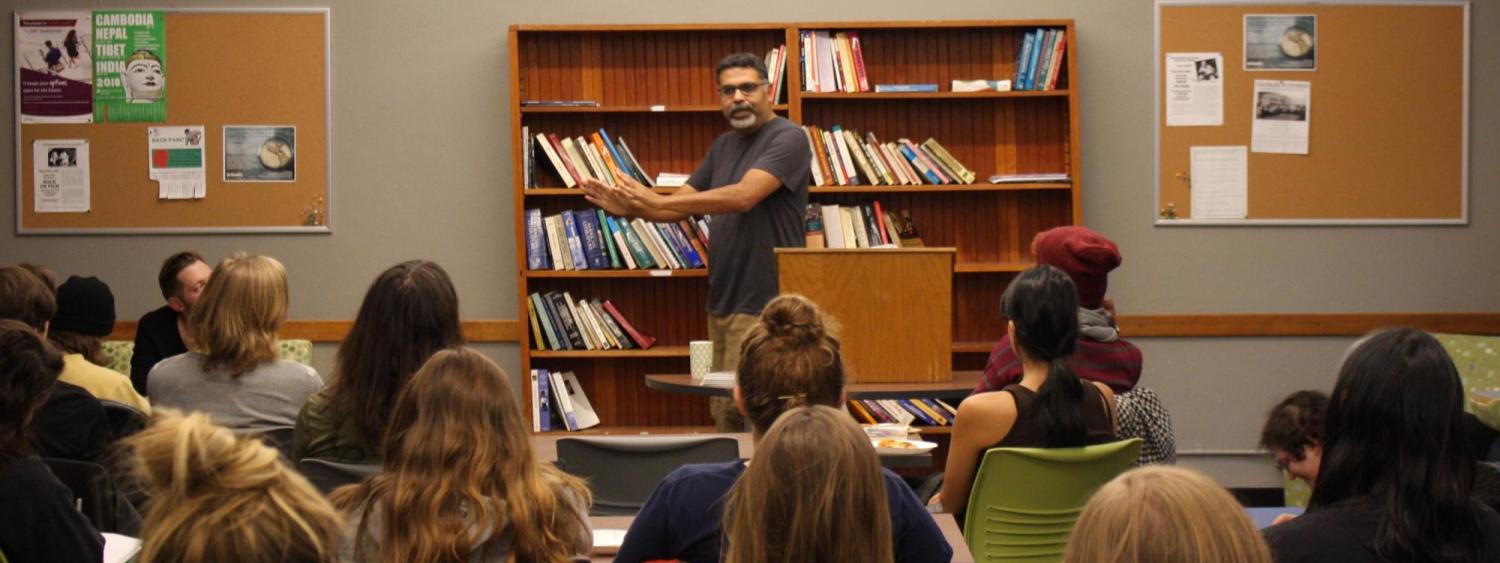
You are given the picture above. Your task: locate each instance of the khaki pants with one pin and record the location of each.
(727, 333)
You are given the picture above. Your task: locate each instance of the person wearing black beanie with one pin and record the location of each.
(86, 314)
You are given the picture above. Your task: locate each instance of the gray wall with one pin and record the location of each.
(421, 169)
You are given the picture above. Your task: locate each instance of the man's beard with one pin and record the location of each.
(742, 122)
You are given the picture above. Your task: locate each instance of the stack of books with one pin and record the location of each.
(833, 62)
(859, 226)
(930, 412)
(558, 322)
(843, 158)
(594, 156)
(590, 239)
(776, 66)
(558, 402)
(1040, 61)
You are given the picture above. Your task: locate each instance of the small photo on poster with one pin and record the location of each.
(260, 153)
(1281, 42)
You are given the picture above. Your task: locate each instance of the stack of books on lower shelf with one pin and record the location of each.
(929, 412)
(558, 402)
(843, 157)
(590, 239)
(594, 156)
(859, 226)
(558, 322)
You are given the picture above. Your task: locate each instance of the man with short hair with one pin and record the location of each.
(753, 186)
(164, 333)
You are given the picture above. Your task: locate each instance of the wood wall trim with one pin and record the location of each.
(1131, 326)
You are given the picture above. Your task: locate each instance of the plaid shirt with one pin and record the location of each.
(1116, 364)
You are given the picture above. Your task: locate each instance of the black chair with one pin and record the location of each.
(329, 475)
(124, 420)
(97, 495)
(278, 437)
(618, 492)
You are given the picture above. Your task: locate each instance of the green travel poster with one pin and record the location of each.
(130, 73)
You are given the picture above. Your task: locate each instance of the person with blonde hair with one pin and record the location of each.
(461, 480)
(234, 374)
(215, 496)
(829, 504)
(1163, 514)
(789, 359)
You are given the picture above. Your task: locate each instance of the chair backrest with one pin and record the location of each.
(600, 460)
(124, 420)
(329, 475)
(96, 495)
(1025, 500)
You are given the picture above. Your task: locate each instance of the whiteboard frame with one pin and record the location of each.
(1156, 126)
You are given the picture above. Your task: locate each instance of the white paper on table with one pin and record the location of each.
(1282, 112)
(1195, 89)
(119, 549)
(60, 175)
(1219, 177)
(175, 160)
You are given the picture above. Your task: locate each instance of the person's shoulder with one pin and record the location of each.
(26, 476)
(160, 316)
(698, 478)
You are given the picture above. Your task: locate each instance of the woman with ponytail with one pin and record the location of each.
(461, 480)
(789, 359)
(1050, 407)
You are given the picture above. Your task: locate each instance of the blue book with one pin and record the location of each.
(690, 256)
(1039, 73)
(1036, 55)
(553, 322)
(921, 415)
(575, 241)
(544, 390)
(609, 239)
(919, 166)
(546, 322)
(906, 87)
(536, 242)
(1027, 45)
(615, 152)
(593, 240)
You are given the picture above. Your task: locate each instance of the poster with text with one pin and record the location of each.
(54, 67)
(176, 154)
(60, 172)
(130, 72)
(1281, 42)
(260, 153)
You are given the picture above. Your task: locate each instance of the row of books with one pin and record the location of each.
(776, 67)
(843, 158)
(558, 402)
(859, 226)
(590, 239)
(833, 62)
(1040, 60)
(574, 159)
(558, 322)
(930, 412)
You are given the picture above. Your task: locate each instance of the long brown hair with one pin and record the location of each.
(1160, 514)
(29, 367)
(89, 346)
(790, 358)
(457, 441)
(409, 312)
(242, 308)
(216, 496)
(814, 493)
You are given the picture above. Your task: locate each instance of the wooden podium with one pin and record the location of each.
(894, 307)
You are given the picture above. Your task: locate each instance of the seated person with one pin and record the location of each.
(235, 375)
(788, 359)
(1165, 515)
(409, 312)
(85, 314)
(164, 333)
(1051, 407)
(220, 497)
(39, 522)
(829, 502)
(461, 480)
(1395, 479)
(1294, 434)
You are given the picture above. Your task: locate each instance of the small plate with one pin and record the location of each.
(917, 447)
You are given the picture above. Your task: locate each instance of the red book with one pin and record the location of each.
(859, 62)
(563, 156)
(644, 341)
(885, 238)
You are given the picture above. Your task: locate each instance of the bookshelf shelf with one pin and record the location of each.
(651, 84)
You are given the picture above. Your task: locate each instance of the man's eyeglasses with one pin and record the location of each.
(747, 88)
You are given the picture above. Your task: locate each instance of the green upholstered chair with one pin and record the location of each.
(1296, 492)
(1478, 361)
(120, 351)
(1025, 500)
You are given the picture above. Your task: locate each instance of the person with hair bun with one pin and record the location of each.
(1159, 514)
(1050, 407)
(790, 358)
(220, 497)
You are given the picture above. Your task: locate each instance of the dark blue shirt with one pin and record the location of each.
(683, 519)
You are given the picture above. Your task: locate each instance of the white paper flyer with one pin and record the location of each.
(1283, 110)
(1195, 89)
(176, 153)
(60, 172)
(1219, 178)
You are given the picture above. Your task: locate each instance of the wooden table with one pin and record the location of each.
(945, 523)
(962, 384)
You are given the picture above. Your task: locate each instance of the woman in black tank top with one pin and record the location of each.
(1051, 407)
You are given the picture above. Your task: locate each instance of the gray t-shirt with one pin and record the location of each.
(742, 266)
(268, 396)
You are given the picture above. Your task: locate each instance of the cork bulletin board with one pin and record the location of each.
(223, 67)
(1388, 125)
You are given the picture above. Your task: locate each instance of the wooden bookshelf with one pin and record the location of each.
(654, 86)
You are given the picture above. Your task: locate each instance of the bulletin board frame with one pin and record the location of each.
(1331, 199)
(322, 168)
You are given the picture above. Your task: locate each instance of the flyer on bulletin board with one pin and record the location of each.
(60, 172)
(177, 161)
(54, 67)
(130, 72)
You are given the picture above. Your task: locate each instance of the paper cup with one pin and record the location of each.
(701, 356)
